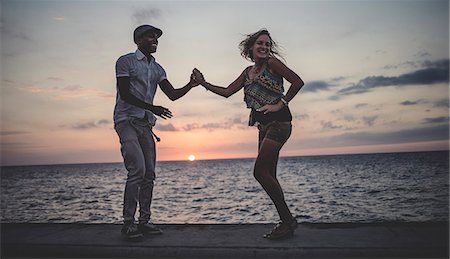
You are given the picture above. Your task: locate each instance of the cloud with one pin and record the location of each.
(442, 103)
(436, 120)
(66, 92)
(315, 86)
(8, 133)
(227, 124)
(360, 105)
(209, 126)
(434, 133)
(369, 121)
(88, 125)
(409, 103)
(72, 88)
(329, 125)
(11, 33)
(237, 123)
(432, 73)
(403, 136)
(165, 127)
(53, 78)
(104, 122)
(146, 15)
(302, 116)
(408, 64)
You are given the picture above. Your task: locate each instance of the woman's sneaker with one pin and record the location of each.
(149, 229)
(282, 230)
(131, 231)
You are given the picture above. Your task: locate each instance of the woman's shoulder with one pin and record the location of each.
(272, 66)
(273, 61)
(246, 70)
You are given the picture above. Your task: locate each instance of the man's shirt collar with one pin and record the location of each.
(141, 56)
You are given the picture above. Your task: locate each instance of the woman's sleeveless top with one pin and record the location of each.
(266, 88)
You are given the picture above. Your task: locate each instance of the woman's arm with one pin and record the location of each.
(235, 86)
(281, 69)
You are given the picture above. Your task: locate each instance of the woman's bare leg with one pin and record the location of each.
(265, 173)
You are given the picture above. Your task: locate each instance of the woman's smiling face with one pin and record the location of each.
(261, 48)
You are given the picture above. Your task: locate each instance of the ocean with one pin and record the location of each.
(402, 187)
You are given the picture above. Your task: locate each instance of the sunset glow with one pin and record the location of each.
(375, 73)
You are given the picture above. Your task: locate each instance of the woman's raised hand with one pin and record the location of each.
(198, 76)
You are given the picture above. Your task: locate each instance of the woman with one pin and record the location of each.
(263, 90)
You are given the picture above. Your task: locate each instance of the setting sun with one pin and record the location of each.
(191, 158)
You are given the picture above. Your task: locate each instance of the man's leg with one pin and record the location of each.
(135, 165)
(146, 192)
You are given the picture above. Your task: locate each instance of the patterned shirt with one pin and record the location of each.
(264, 89)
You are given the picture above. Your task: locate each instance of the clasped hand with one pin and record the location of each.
(197, 77)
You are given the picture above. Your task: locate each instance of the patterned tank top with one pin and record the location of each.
(266, 88)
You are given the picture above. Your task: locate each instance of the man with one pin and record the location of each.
(138, 75)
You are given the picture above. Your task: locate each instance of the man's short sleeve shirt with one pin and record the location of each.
(144, 78)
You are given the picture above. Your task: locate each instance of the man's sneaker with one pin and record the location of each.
(149, 229)
(131, 231)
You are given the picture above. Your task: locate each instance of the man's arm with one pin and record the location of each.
(226, 92)
(123, 86)
(173, 93)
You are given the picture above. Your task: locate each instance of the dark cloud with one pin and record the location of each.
(422, 54)
(406, 64)
(432, 73)
(17, 132)
(71, 88)
(52, 78)
(146, 15)
(104, 122)
(208, 126)
(360, 105)
(403, 136)
(338, 79)
(442, 103)
(369, 120)
(409, 103)
(165, 127)
(329, 125)
(436, 120)
(227, 124)
(315, 86)
(349, 117)
(434, 133)
(84, 126)
(88, 125)
(10, 32)
(302, 116)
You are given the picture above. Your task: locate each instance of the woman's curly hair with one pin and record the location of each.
(246, 45)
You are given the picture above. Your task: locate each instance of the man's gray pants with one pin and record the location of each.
(139, 155)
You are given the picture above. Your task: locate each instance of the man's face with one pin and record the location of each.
(148, 42)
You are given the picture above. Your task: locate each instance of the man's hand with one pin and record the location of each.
(161, 112)
(193, 82)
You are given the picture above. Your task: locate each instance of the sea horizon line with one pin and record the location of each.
(231, 158)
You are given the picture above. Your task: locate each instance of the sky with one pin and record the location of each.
(376, 76)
